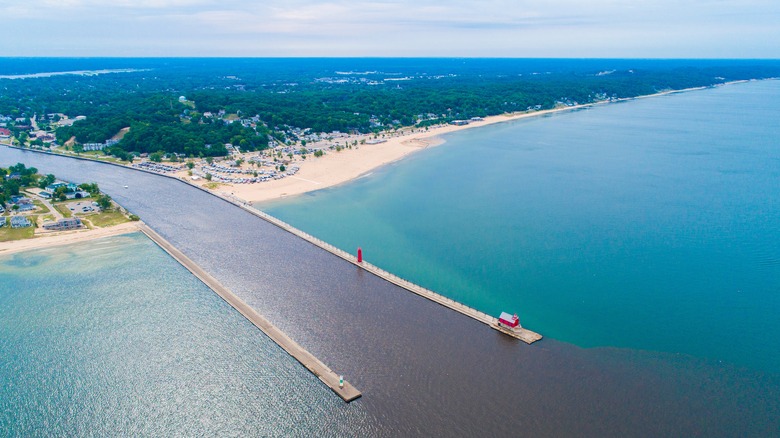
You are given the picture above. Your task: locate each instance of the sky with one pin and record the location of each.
(446, 28)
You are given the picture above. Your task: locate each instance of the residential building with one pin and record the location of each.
(20, 222)
(51, 188)
(71, 223)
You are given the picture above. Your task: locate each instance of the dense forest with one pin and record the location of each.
(245, 102)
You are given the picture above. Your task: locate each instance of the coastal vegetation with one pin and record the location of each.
(31, 204)
(108, 219)
(200, 108)
(14, 178)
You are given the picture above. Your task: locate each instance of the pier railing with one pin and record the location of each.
(406, 284)
(522, 334)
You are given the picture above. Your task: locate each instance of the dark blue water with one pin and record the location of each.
(652, 224)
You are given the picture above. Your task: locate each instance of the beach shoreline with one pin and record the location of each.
(67, 238)
(342, 166)
(336, 168)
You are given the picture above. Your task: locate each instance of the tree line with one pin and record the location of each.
(326, 95)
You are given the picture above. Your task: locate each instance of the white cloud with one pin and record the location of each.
(666, 28)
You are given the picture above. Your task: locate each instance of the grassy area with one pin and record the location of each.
(7, 233)
(212, 185)
(62, 208)
(100, 156)
(93, 155)
(41, 206)
(107, 219)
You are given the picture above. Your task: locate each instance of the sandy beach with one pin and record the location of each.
(339, 167)
(66, 238)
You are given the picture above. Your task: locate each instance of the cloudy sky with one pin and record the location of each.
(487, 28)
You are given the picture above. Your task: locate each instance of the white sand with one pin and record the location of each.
(339, 167)
(65, 238)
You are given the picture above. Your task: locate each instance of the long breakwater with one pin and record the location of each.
(333, 381)
(424, 369)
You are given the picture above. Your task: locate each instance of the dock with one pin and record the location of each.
(525, 335)
(343, 389)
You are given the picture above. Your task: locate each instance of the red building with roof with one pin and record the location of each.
(509, 321)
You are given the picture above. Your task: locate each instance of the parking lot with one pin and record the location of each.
(83, 207)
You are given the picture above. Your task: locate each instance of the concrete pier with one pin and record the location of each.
(522, 334)
(346, 391)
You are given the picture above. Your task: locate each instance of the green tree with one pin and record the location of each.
(46, 181)
(60, 193)
(104, 202)
(190, 165)
(11, 187)
(92, 188)
(156, 157)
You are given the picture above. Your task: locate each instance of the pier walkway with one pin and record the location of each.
(346, 391)
(522, 334)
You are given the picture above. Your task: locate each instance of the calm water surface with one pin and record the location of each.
(114, 338)
(423, 369)
(652, 224)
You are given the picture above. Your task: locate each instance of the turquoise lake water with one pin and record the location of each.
(652, 224)
(115, 338)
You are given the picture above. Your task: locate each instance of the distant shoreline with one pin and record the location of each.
(74, 72)
(337, 168)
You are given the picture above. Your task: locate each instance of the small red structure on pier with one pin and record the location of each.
(360, 255)
(509, 321)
